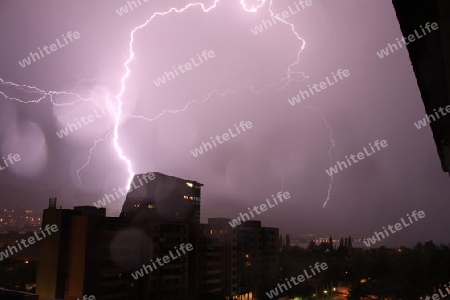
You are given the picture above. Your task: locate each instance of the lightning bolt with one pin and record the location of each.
(131, 56)
(42, 94)
(118, 117)
(332, 145)
(118, 112)
(280, 84)
(91, 150)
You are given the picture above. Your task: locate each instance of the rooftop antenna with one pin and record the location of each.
(52, 203)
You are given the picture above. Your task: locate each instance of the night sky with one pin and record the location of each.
(250, 78)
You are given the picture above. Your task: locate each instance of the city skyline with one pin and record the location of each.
(146, 233)
(301, 240)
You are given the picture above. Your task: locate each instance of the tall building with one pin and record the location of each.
(238, 262)
(168, 200)
(162, 197)
(92, 254)
(270, 258)
(76, 260)
(249, 257)
(170, 281)
(218, 248)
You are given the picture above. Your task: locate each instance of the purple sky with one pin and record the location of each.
(288, 145)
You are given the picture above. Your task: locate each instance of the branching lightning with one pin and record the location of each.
(280, 84)
(88, 160)
(332, 145)
(118, 110)
(42, 94)
(118, 115)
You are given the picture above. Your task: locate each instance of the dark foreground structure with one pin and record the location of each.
(92, 254)
(430, 57)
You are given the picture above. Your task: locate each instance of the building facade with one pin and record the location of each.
(92, 254)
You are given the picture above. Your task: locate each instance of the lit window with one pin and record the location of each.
(189, 184)
(136, 205)
(150, 206)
